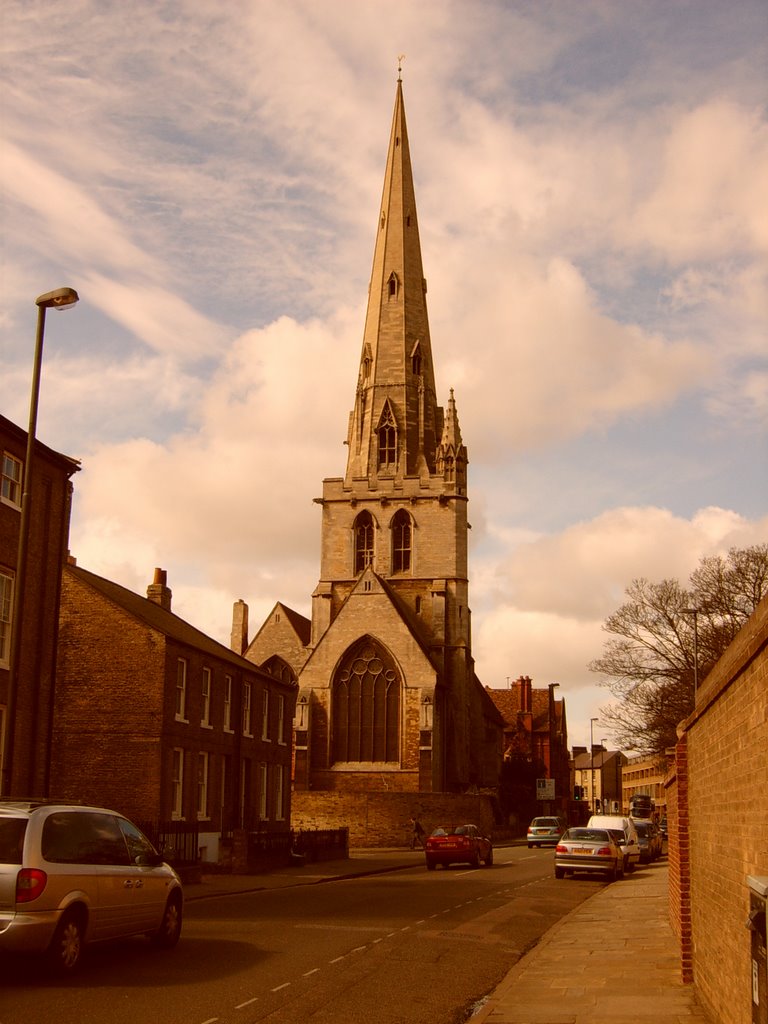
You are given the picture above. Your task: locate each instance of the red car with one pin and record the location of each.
(458, 844)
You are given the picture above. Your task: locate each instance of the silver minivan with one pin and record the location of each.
(71, 874)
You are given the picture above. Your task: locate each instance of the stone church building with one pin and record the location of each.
(391, 719)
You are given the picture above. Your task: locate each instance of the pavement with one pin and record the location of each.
(615, 957)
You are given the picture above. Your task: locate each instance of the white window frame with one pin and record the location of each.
(281, 719)
(7, 581)
(177, 783)
(228, 704)
(11, 486)
(265, 715)
(263, 792)
(247, 709)
(202, 784)
(205, 693)
(181, 690)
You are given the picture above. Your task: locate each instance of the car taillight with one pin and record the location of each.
(604, 851)
(30, 883)
(561, 849)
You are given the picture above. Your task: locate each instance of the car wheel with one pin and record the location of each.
(559, 873)
(167, 935)
(474, 862)
(66, 948)
(489, 858)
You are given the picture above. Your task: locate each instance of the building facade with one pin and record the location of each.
(388, 696)
(25, 741)
(597, 781)
(161, 722)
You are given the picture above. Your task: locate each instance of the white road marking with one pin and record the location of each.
(248, 1002)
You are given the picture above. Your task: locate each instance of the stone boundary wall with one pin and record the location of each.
(381, 818)
(719, 828)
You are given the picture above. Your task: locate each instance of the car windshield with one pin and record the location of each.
(12, 839)
(595, 835)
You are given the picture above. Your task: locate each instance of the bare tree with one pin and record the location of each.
(665, 636)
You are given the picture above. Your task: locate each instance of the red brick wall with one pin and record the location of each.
(721, 833)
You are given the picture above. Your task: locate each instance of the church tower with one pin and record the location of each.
(388, 698)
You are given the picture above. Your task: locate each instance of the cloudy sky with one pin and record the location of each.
(591, 185)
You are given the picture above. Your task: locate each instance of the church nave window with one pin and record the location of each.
(366, 706)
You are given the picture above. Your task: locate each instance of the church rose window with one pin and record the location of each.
(366, 706)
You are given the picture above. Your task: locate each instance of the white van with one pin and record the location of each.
(630, 845)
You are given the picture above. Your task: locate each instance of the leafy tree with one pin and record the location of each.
(665, 635)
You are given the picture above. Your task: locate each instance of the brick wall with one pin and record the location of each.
(720, 825)
(381, 819)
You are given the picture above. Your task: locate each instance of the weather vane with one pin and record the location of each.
(400, 59)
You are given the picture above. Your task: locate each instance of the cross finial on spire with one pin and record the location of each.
(400, 59)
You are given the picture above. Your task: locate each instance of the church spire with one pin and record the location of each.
(396, 422)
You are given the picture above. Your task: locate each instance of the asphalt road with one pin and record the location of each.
(409, 947)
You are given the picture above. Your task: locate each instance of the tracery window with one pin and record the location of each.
(387, 434)
(280, 669)
(363, 541)
(365, 716)
(401, 541)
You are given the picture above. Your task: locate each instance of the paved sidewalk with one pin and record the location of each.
(613, 958)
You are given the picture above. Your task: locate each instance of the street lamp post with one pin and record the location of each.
(592, 721)
(695, 611)
(58, 299)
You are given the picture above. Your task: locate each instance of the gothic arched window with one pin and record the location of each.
(387, 434)
(363, 541)
(365, 712)
(401, 542)
(280, 669)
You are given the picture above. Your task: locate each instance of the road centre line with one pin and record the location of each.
(313, 971)
(338, 958)
(241, 1006)
(279, 988)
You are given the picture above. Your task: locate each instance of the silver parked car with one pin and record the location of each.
(592, 850)
(70, 875)
(545, 831)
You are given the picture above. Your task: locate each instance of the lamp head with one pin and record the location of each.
(58, 299)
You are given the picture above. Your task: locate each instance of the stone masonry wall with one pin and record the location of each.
(381, 819)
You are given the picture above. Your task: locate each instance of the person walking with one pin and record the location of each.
(417, 834)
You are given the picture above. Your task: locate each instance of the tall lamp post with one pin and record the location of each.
(592, 721)
(58, 299)
(695, 612)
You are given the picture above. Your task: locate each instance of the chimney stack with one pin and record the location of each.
(158, 592)
(239, 638)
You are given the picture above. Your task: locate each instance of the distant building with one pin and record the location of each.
(389, 702)
(597, 780)
(159, 721)
(46, 553)
(645, 775)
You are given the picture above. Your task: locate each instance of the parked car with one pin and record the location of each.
(592, 850)
(623, 829)
(663, 828)
(458, 844)
(71, 874)
(545, 831)
(649, 838)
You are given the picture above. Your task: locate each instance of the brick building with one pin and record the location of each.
(717, 815)
(388, 697)
(535, 731)
(645, 775)
(598, 778)
(158, 720)
(29, 748)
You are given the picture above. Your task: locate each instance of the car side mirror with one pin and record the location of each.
(148, 860)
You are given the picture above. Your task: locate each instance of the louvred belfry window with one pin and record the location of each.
(365, 717)
(401, 542)
(363, 541)
(387, 434)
